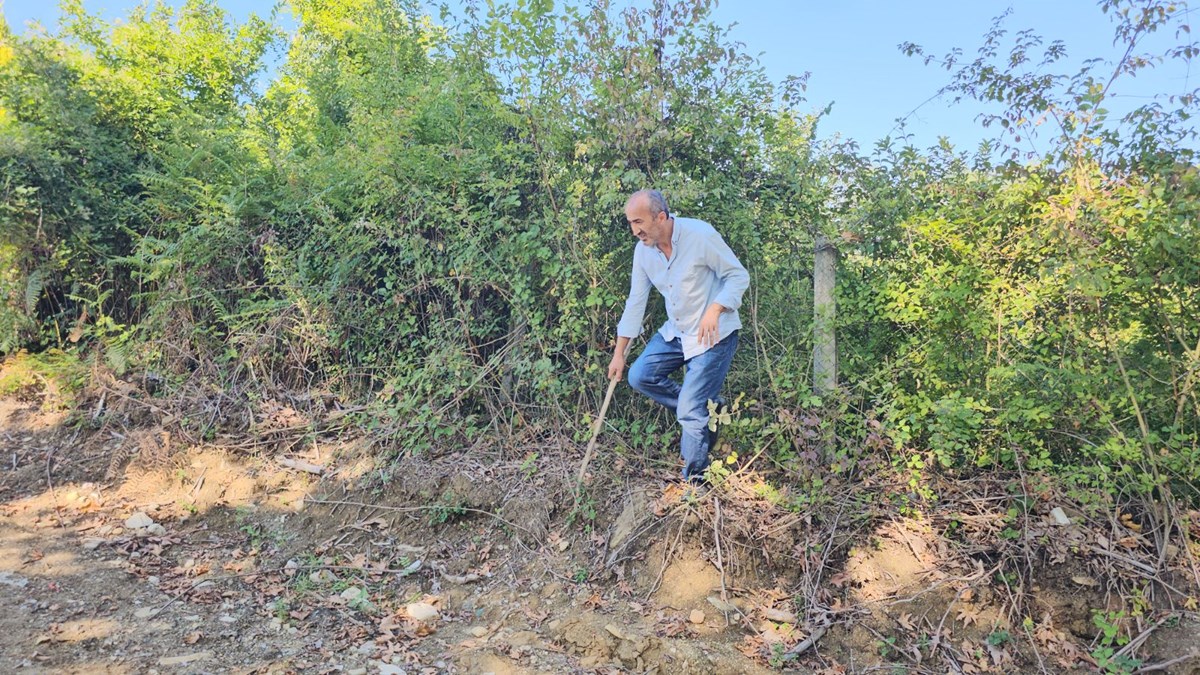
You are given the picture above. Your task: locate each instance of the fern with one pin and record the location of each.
(33, 289)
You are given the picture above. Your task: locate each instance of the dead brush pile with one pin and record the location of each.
(1001, 571)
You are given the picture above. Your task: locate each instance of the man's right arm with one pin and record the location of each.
(617, 365)
(630, 325)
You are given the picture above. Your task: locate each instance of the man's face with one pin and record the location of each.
(649, 230)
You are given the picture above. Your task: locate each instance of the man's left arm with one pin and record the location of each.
(734, 280)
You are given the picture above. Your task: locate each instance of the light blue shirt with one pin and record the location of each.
(702, 270)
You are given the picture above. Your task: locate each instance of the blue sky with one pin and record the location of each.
(851, 50)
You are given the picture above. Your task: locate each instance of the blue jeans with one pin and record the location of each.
(702, 382)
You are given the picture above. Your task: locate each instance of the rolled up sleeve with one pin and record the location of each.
(734, 277)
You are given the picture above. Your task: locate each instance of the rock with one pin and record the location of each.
(779, 615)
(138, 521)
(389, 669)
(156, 529)
(322, 577)
(479, 631)
(354, 594)
(183, 658)
(357, 671)
(421, 611)
(721, 605)
(145, 612)
(225, 618)
(523, 638)
(616, 632)
(696, 617)
(628, 524)
(14, 580)
(1060, 518)
(92, 543)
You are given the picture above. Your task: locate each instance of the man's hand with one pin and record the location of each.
(710, 331)
(617, 365)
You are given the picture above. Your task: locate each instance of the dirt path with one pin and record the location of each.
(215, 563)
(130, 552)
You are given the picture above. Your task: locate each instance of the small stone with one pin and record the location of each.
(225, 618)
(322, 577)
(721, 605)
(389, 669)
(366, 648)
(479, 631)
(357, 671)
(523, 638)
(145, 612)
(354, 594)
(15, 580)
(421, 611)
(779, 615)
(1060, 517)
(152, 580)
(696, 617)
(92, 543)
(156, 529)
(616, 632)
(138, 521)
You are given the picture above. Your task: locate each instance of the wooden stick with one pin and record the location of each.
(591, 446)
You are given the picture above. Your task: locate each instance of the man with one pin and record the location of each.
(702, 283)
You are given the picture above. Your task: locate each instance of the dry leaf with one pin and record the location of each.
(906, 621)
(1127, 521)
(1085, 581)
(968, 616)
